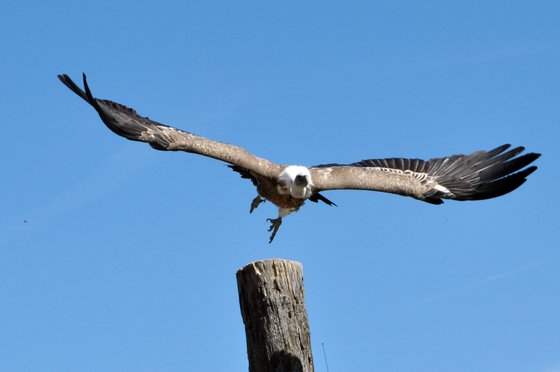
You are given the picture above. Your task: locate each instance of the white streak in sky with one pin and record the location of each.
(500, 276)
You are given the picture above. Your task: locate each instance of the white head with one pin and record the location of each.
(296, 181)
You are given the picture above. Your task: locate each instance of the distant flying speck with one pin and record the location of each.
(480, 175)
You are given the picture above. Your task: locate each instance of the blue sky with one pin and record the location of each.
(127, 260)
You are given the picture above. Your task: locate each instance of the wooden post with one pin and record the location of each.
(272, 303)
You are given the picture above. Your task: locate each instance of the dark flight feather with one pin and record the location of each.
(480, 175)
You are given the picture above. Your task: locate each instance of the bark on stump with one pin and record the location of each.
(272, 302)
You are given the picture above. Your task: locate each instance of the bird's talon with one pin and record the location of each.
(274, 226)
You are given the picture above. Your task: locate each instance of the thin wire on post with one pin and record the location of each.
(325, 355)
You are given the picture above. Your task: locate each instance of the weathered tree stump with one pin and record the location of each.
(272, 302)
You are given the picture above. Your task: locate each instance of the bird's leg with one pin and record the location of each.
(255, 203)
(274, 226)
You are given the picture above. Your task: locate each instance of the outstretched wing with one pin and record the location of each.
(126, 122)
(481, 175)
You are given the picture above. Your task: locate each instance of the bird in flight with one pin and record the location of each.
(477, 176)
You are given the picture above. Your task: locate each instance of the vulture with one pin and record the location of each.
(477, 176)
